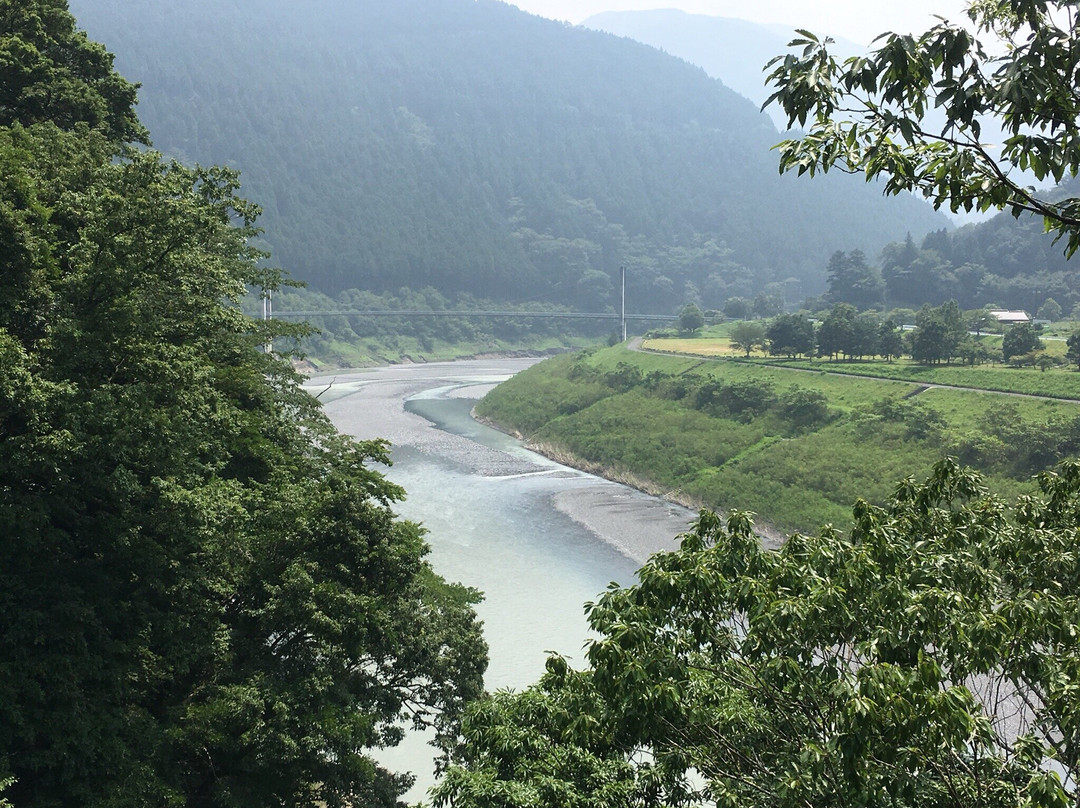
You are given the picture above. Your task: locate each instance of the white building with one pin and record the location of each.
(1006, 317)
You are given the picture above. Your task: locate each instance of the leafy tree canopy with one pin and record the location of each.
(1073, 348)
(925, 658)
(746, 335)
(1050, 310)
(852, 280)
(691, 319)
(1020, 339)
(790, 335)
(876, 114)
(738, 307)
(52, 72)
(205, 596)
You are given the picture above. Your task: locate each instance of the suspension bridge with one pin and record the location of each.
(578, 315)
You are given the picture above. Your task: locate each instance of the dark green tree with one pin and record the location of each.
(558, 746)
(52, 72)
(836, 333)
(691, 319)
(938, 332)
(1073, 348)
(898, 273)
(890, 340)
(1020, 339)
(804, 407)
(953, 318)
(865, 337)
(930, 342)
(768, 304)
(973, 351)
(1049, 310)
(738, 308)
(205, 595)
(791, 335)
(852, 280)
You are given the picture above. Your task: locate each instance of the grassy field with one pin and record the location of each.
(701, 346)
(1063, 382)
(795, 447)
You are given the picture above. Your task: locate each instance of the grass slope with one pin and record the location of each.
(796, 448)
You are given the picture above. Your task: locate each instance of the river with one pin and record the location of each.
(537, 538)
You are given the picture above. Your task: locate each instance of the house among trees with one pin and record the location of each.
(1010, 317)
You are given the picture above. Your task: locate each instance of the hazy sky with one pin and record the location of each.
(857, 20)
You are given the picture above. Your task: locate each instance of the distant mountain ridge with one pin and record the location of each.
(471, 147)
(732, 50)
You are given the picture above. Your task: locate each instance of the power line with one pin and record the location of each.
(580, 315)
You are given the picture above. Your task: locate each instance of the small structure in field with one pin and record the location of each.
(1006, 317)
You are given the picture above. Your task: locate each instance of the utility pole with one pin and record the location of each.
(268, 313)
(622, 279)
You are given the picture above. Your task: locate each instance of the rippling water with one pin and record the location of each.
(489, 508)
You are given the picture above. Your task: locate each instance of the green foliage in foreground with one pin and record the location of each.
(794, 447)
(926, 657)
(205, 595)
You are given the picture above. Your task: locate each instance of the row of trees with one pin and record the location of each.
(951, 266)
(844, 332)
(941, 334)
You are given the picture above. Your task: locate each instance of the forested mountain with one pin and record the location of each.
(474, 148)
(1005, 261)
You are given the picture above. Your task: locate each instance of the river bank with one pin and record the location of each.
(372, 403)
(771, 538)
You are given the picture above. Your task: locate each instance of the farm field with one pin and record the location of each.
(1059, 382)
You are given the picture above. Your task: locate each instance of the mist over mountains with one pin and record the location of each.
(471, 147)
(732, 50)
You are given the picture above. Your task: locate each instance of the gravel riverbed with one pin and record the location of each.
(370, 404)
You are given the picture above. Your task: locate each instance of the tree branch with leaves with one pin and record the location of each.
(914, 110)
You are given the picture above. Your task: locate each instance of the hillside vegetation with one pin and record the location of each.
(471, 147)
(796, 448)
(1004, 261)
(431, 329)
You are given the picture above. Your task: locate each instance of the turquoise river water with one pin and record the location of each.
(537, 538)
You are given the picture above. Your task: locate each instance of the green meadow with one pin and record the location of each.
(1056, 382)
